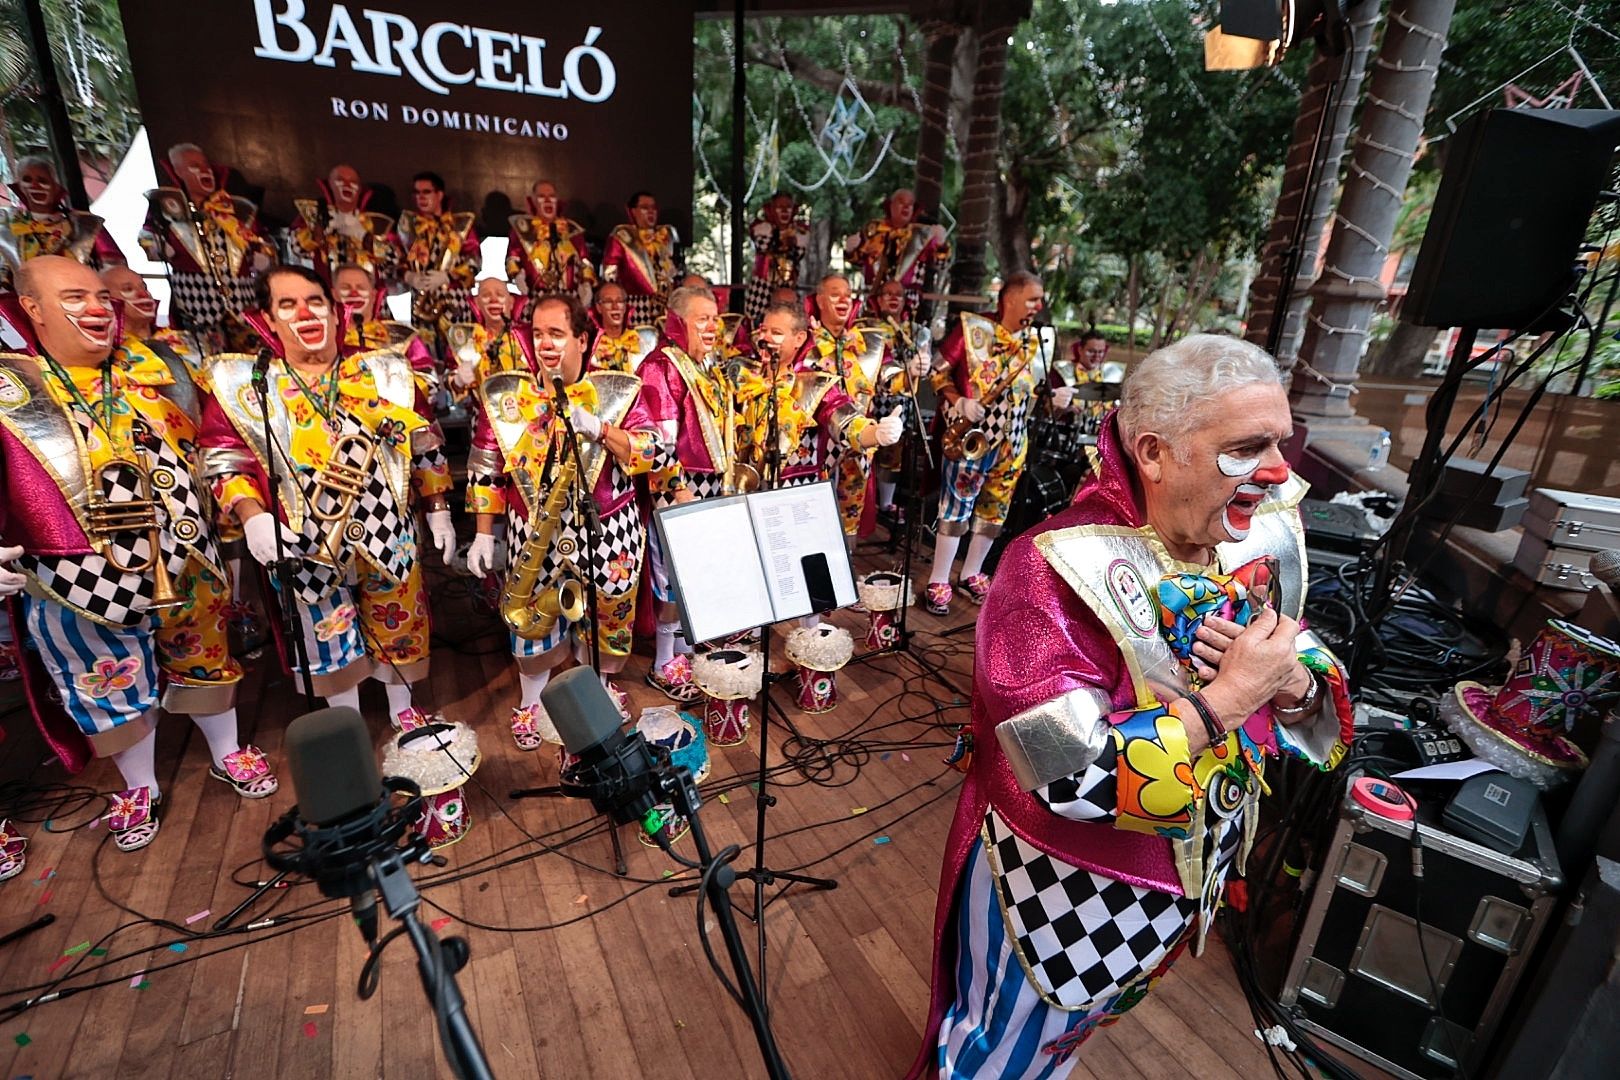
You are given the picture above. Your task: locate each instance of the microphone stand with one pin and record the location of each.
(292, 620)
(760, 874)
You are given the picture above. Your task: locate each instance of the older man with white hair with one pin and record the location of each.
(1137, 665)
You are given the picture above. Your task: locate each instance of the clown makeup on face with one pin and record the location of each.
(344, 183)
(891, 299)
(196, 173)
(778, 339)
(304, 320)
(355, 292)
(834, 303)
(645, 212)
(70, 309)
(902, 206)
(1244, 463)
(140, 306)
(40, 192)
(702, 320)
(558, 349)
(779, 210)
(545, 200)
(610, 305)
(494, 301)
(91, 315)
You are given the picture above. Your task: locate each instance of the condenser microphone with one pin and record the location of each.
(344, 820)
(261, 365)
(616, 767)
(1605, 566)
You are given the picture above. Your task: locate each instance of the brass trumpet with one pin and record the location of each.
(342, 484)
(106, 518)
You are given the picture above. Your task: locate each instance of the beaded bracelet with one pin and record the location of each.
(1212, 726)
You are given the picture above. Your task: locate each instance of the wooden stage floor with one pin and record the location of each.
(574, 972)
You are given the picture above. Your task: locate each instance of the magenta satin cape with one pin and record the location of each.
(1038, 640)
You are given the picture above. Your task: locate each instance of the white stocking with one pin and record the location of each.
(944, 554)
(345, 699)
(978, 547)
(220, 731)
(399, 698)
(529, 687)
(136, 764)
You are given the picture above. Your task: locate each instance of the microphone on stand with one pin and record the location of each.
(1605, 566)
(616, 768)
(261, 366)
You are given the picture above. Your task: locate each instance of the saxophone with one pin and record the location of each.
(529, 606)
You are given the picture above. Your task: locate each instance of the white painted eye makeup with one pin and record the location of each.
(1231, 465)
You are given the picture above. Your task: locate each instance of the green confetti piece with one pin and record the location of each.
(83, 946)
(669, 873)
(23, 1039)
(143, 984)
(98, 952)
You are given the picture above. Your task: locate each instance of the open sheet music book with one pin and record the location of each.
(747, 560)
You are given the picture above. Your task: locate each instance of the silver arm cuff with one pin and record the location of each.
(1056, 738)
(223, 461)
(482, 461)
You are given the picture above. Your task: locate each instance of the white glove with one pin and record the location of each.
(587, 423)
(260, 531)
(1062, 397)
(918, 367)
(972, 408)
(11, 582)
(443, 530)
(466, 374)
(348, 224)
(481, 555)
(890, 428)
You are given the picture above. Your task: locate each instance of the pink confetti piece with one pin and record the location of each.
(310, 1030)
(95, 823)
(201, 915)
(58, 962)
(44, 898)
(441, 922)
(135, 983)
(905, 756)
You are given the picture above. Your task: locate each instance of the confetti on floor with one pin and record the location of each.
(580, 899)
(58, 962)
(883, 756)
(724, 800)
(203, 914)
(669, 873)
(44, 898)
(83, 946)
(143, 984)
(178, 946)
(905, 757)
(857, 810)
(315, 1010)
(22, 1038)
(135, 983)
(310, 1030)
(880, 840)
(98, 952)
(441, 922)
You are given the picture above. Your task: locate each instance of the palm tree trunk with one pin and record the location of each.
(1265, 292)
(933, 131)
(1351, 285)
(981, 162)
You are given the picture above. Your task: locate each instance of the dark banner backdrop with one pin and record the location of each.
(492, 96)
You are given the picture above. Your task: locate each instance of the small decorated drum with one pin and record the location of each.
(678, 733)
(440, 757)
(880, 593)
(728, 679)
(818, 652)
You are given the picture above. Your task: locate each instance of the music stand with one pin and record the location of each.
(698, 566)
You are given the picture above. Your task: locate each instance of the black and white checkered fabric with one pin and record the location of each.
(618, 534)
(1087, 796)
(756, 298)
(386, 531)
(641, 310)
(200, 303)
(1006, 420)
(89, 583)
(1085, 936)
(803, 456)
(701, 485)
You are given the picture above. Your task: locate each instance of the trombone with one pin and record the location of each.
(105, 518)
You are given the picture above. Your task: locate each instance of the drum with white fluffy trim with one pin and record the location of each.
(818, 652)
(728, 679)
(880, 593)
(441, 758)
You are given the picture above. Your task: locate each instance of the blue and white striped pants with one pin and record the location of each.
(106, 676)
(997, 1026)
